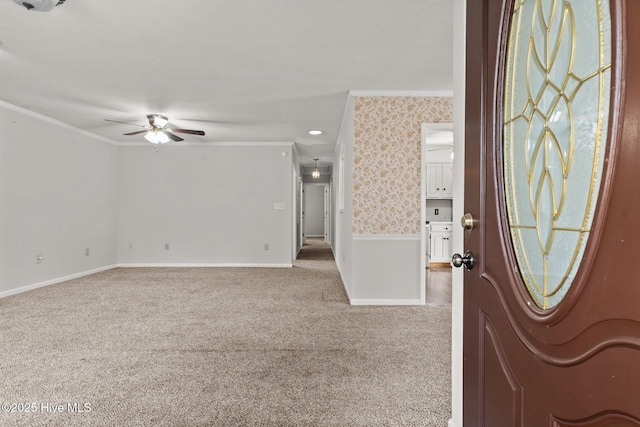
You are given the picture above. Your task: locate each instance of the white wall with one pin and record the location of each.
(64, 191)
(444, 207)
(212, 204)
(385, 270)
(57, 198)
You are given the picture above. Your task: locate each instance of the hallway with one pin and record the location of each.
(315, 249)
(438, 283)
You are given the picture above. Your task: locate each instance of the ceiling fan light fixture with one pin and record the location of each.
(158, 120)
(155, 136)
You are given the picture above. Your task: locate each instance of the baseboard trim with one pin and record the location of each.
(386, 301)
(55, 281)
(201, 265)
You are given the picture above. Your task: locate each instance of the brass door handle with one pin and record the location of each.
(467, 221)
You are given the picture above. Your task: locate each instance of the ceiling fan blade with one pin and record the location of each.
(220, 122)
(171, 135)
(189, 131)
(136, 132)
(125, 123)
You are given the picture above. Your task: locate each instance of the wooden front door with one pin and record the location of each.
(552, 301)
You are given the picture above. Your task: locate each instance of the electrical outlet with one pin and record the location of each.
(86, 252)
(166, 246)
(436, 212)
(39, 259)
(266, 246)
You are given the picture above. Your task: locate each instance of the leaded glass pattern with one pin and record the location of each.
(556, 109)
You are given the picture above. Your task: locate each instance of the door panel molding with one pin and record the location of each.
(579, 348)
(566, 351)
(494, 359)
(607, 419)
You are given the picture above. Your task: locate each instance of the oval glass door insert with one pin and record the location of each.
(556, 110)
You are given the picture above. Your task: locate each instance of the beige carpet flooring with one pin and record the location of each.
(220, 347)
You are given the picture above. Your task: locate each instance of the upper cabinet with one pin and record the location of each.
(439, 180)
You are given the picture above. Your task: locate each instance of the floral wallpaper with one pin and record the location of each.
(386, 165)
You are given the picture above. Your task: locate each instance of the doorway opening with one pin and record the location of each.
(437, 197)
(316, 207)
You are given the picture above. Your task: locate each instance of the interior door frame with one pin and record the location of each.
(457, 278)
(325, 187)
(301, 238)
(294, 214)
(327, 213)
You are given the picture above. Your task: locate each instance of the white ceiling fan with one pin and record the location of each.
(158, 131)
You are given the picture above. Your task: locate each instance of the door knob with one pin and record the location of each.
(459, 260)
(467, 221)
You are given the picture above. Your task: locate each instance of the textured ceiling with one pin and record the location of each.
(241, 70)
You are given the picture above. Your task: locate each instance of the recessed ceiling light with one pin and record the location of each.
(315, 132)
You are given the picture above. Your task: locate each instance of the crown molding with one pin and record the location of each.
(54, 122)
(422, 93)
(210, 144)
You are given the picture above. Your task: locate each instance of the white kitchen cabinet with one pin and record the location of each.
(439, 180)
(447, 180)
(440, 241)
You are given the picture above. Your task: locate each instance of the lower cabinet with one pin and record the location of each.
(441, 237)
